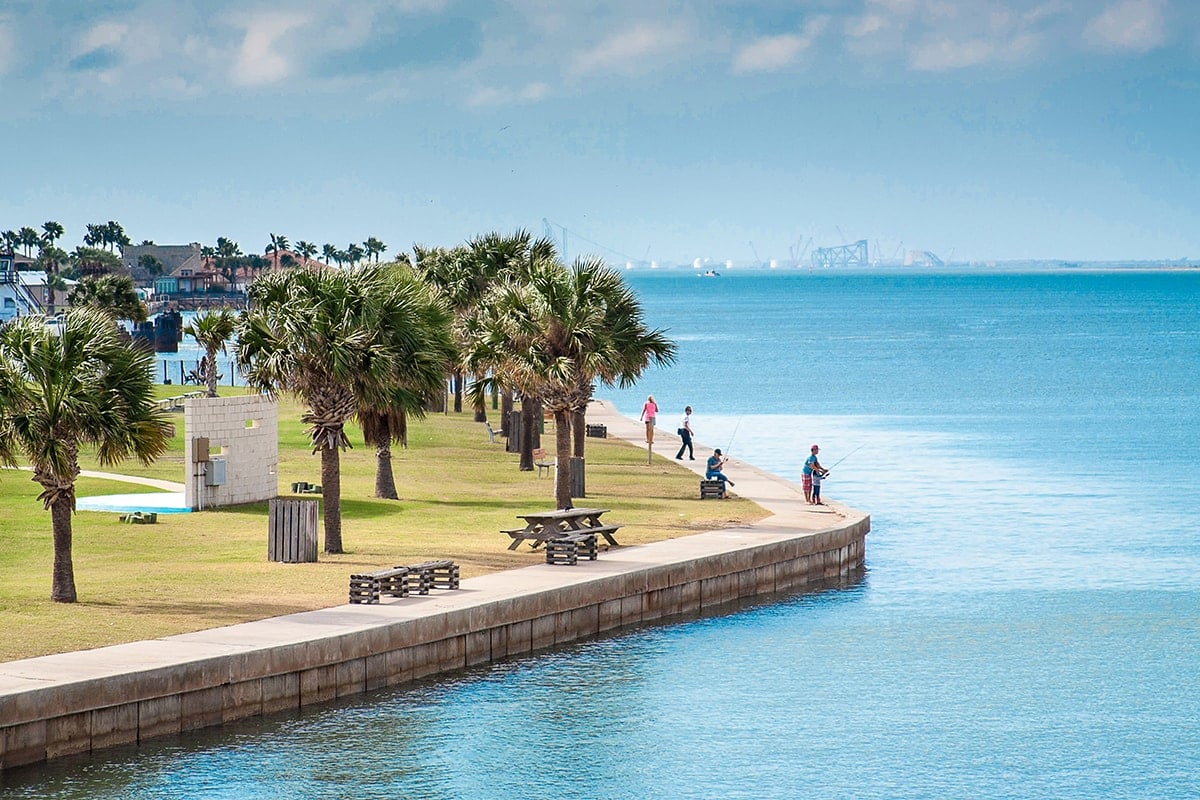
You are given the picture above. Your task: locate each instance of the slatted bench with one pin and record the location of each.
(569, 548)
(596, 431)
(712, 489)
(433, 575)
(368, 586)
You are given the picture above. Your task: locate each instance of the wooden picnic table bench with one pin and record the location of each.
(542, 526)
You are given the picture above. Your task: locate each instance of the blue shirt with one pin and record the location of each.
(808, 464)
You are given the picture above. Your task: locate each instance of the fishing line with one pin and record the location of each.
(735, 430)
(843, 458)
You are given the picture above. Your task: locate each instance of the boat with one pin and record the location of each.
(712, 273)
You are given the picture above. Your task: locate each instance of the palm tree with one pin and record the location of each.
(555, 332)
(51, 260)
(212, 330)
(29, 239)
(51, 232)
(62, 389)
(341, 340)
(306, 249)
(354, 254)
(374, 248)
(113, 295)
(114, 236)
(95, 235)
(383, 415)
(278, 244)
(329, 253)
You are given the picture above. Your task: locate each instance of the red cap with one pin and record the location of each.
(814, 447)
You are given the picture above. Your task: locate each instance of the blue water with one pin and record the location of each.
(1029, 622)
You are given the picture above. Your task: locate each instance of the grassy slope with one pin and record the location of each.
(202, 570)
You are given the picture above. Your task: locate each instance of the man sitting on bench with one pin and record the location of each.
(713, 471)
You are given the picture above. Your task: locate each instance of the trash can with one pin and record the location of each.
(292, 531)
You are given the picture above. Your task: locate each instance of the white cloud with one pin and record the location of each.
(104, 34)
(946, 54)
(260, 59)
(634, 49)
(866, 25)
(1129, 25)
(491, 96)
(773, 53)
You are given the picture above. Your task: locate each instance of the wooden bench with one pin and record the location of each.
(368, 586)
(304, 487)
(596, 431)
(433, 575)
(712, 489)
(539, 461)
(402, 581)
(140, 518)
(568, 549)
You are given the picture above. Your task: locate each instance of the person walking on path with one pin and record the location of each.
(713, 470)
(685, 433)
(649, 412)
(812, 465)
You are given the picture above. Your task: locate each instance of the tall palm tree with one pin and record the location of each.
(212, 330)
(51, 232)
(278, 244)
(329, 253)
(62, 389)
(114, 236)
(29, 239)
(340, 340)
(557, 331)
(306, 249)
(354, 254)
(51, 260)
(374, 248)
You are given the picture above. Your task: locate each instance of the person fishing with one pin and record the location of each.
(713, 469)
(812, 466)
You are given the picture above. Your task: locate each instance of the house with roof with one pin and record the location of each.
(24, 292)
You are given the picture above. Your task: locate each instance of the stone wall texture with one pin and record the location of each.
(185, 682)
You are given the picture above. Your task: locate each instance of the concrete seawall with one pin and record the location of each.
(71, 703)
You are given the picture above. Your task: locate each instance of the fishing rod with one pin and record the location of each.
(735, 430)
(843, 458)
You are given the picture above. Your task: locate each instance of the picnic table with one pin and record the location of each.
(543, 526)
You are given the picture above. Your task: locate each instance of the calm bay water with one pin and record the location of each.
(1028, 627)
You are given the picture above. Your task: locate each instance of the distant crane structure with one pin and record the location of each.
(549, 230)
(757, 260)
(846, 255)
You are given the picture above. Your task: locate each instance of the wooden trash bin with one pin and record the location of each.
(292, 531)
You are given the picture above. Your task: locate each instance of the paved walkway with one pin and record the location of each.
(783, 498)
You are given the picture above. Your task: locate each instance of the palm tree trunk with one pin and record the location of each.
(458, 391)
(578, 423)
(210, 376)
(480, 408)
(385, 481)
(331, 495)
(506, 409)
(528, 427)
(62, 589)
(562, 448)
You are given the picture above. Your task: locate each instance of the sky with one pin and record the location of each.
(642, 130)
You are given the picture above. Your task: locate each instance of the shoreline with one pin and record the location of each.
(86, 701)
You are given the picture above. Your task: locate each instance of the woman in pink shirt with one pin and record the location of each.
(649, 412)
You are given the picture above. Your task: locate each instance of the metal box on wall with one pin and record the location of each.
(214, 472)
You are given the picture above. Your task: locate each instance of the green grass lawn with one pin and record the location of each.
(206, 569)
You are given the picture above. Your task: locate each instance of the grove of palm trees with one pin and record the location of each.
(360, 340)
